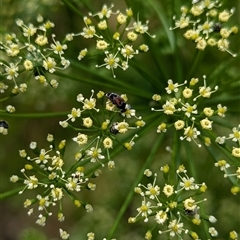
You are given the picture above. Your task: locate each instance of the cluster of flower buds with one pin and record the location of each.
(34, 52)
(173, 205)
(117, 45)
(46, 173)
(206, 25)
(99, 126)
(184, 113)
(227, 166)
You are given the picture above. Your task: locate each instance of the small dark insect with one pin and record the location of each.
(118, 101)
(217, 27)
(4, 124)
(190, 212)
(113, 128)
(77, 177)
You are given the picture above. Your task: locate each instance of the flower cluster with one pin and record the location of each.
(35, 52)
(234, 136)
(224, 165)
(99, 127)
(205, 23)
(45, 172)
(173, 206)
(184, 113)
(117, 45)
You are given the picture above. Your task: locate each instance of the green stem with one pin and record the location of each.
(157, 6)
(99, 79)
(6, 98)
(205, 223)
(224, 99)
(72, 7)
(137, 180)
(221, 67)
(197, 59)
(190, 159)
(10, 193)
(175, 157)
(33, 115)
(147, 76)
(178, 66)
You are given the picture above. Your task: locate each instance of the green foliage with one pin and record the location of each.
(32, 234)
